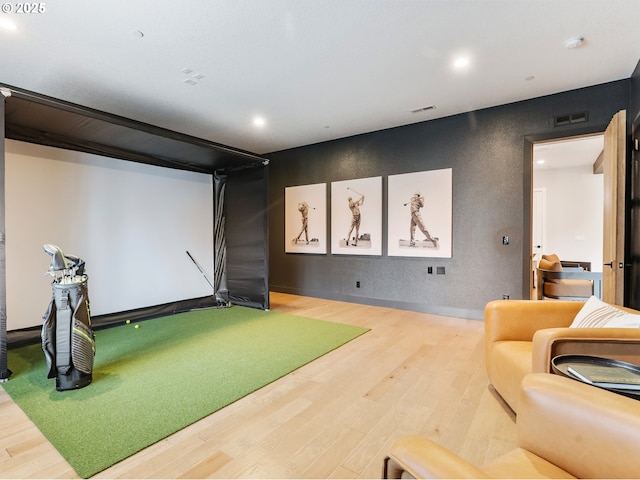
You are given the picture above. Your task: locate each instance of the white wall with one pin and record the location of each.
(131, 223)
(574, 213)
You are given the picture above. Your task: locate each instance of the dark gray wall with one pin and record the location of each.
(489, 152)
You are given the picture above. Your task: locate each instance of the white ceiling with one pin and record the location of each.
(313, 69)
(568, 153)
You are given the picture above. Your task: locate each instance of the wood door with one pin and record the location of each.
(614, 214)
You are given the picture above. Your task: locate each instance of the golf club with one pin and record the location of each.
(199, 268)
(405, 204)
(355, 191)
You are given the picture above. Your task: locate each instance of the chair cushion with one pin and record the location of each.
(511, 361)
(596, 313)
(568, 288)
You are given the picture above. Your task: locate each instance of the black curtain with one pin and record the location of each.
(4, 371)
(246, 234)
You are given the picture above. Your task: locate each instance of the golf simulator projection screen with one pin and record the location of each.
(132, 224)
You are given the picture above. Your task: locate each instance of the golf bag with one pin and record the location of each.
(68, 341)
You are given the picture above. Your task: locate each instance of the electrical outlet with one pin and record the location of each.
(358, 284)
(505, 297)
(430, 270)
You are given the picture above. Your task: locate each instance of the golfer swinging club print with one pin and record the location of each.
(420, 214)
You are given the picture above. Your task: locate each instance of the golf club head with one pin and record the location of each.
(76, 263)
(58, 260)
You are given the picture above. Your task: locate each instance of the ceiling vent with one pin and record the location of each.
(424, 109)
(561, 120)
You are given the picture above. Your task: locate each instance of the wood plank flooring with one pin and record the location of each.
(412, 373)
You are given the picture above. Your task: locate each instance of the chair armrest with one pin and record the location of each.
(422, 458)
(586, 431)
(617, 343)
(518, 320)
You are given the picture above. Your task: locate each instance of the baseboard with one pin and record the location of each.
(443, 310)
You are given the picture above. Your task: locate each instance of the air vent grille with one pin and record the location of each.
(423, 109)
(561, 120)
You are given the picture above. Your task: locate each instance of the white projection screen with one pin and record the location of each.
(132, 223)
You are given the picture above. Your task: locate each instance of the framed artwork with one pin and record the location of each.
(356, 216)
(305, 218)
(420, 206)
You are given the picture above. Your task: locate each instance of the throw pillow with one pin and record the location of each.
(552, 257)
(546, 264)
(595, 313)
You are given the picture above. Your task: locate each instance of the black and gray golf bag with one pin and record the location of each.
(67, 338)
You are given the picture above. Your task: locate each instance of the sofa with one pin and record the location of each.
(523, 336)
(565, 429)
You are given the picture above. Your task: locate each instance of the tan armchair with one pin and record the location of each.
(557, 281)
(523, 336)
(565, 429)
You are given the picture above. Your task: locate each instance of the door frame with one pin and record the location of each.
(542, 223)
(632, 272)
(527, 204)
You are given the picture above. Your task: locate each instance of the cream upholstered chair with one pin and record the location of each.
(553, 280)
(565, 429)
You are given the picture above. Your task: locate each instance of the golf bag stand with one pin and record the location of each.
(68, 341)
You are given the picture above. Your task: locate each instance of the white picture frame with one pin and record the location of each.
(306, 218)
(410, 216)
(356, 216)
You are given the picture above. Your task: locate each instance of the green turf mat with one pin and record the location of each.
(152, 381)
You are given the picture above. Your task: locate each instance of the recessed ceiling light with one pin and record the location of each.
(259, 121)
(461, 62)
(573, 42)
(7, 24)
(540, 162)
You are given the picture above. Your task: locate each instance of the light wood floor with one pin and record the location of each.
(334, 418)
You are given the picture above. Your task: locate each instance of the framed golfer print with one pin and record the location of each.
(356, 216)
(305, 218)
(420, 214)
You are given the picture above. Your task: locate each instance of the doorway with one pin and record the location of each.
(567, 203)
